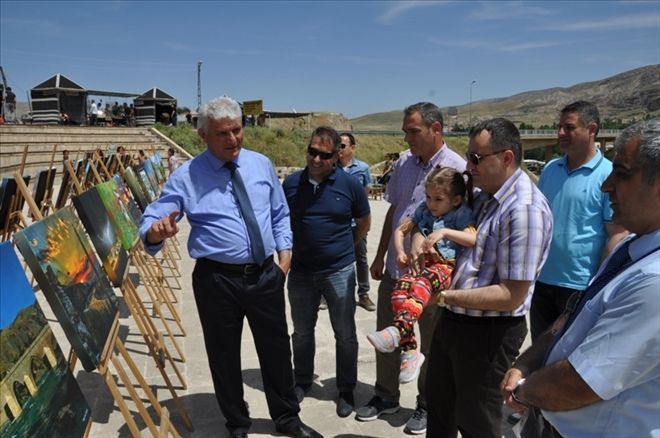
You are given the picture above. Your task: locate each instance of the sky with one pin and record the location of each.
(15, 291)
(350, 57)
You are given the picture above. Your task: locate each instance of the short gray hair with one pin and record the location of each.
(223, 107)
(648, 157)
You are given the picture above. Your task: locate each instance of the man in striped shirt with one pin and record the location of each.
(481, 330)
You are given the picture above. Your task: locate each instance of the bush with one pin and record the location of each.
(287, 148)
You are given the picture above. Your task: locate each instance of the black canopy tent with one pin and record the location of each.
(56, 94)
(150, 106)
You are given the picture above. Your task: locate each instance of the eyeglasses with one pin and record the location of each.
(317, 153)
(343, 146)
(475, 158)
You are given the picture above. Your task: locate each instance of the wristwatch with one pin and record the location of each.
(514, 394)
(441, 299)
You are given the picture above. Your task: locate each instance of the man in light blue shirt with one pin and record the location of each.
(583, 233)
(597, 371)
(359, 169)
(235, 276)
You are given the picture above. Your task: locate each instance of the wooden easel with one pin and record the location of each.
(168, 257)
(15, 217)
(157, 349)
(156, 294)
(114, 350)
(47, 203)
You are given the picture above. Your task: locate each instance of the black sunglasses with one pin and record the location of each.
(317, 153)
(343, 146)
(475, 158)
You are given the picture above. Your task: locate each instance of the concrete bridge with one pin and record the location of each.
(22, 379)
(531, 138)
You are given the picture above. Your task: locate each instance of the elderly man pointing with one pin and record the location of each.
(239, 218)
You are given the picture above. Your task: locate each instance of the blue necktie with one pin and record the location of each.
(615, 264)
(254, 233)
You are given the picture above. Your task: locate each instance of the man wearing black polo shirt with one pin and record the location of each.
(323, 200)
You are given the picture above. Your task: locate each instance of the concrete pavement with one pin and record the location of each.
(318, 408)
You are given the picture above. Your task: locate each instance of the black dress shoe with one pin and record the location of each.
(300, 430)
(345, 404)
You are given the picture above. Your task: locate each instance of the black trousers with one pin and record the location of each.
(468, 359)
(548, 302)
(224, 298)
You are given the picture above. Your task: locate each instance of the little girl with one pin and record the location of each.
(448, 224)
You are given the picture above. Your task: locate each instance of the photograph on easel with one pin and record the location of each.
(40, 395)
(10, 195)
(136, 188)
(158, 167)
(125, 228)
(127, 199)
(58, 252)
(65, 189)
(151, 174)
(45, 181)
(146, 185)
(95, 218)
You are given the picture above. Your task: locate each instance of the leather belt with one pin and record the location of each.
(480, 320)
(238, 269)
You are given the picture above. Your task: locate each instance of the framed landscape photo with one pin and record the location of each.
(147, 188)
(40, 396)
(151, 174)
(136, 188)
(125, 227)
(126, 198)
(159, 163)
(96, 221)
(58, 252)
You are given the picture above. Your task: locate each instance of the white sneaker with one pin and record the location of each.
(411, 363)
(385, 340)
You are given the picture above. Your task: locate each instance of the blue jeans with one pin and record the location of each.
(338, 289)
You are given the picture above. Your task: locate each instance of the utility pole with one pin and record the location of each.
(199, 84)
(470, 105)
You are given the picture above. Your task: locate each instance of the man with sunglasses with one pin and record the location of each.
(422, 126)
(360, 169)
(480, 331)
(324, 201)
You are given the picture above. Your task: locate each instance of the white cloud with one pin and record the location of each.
(499, 46)
(397, 9)
(614, 24)
(507, 10)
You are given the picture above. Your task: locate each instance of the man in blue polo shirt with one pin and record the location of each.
(583, 233)
(359, 169)
(323, 201)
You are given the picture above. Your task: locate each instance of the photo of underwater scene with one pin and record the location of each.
(58, 252)
(40, 395)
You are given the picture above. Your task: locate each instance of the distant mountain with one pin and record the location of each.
(628, 95)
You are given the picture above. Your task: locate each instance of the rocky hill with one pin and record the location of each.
(628, 95)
